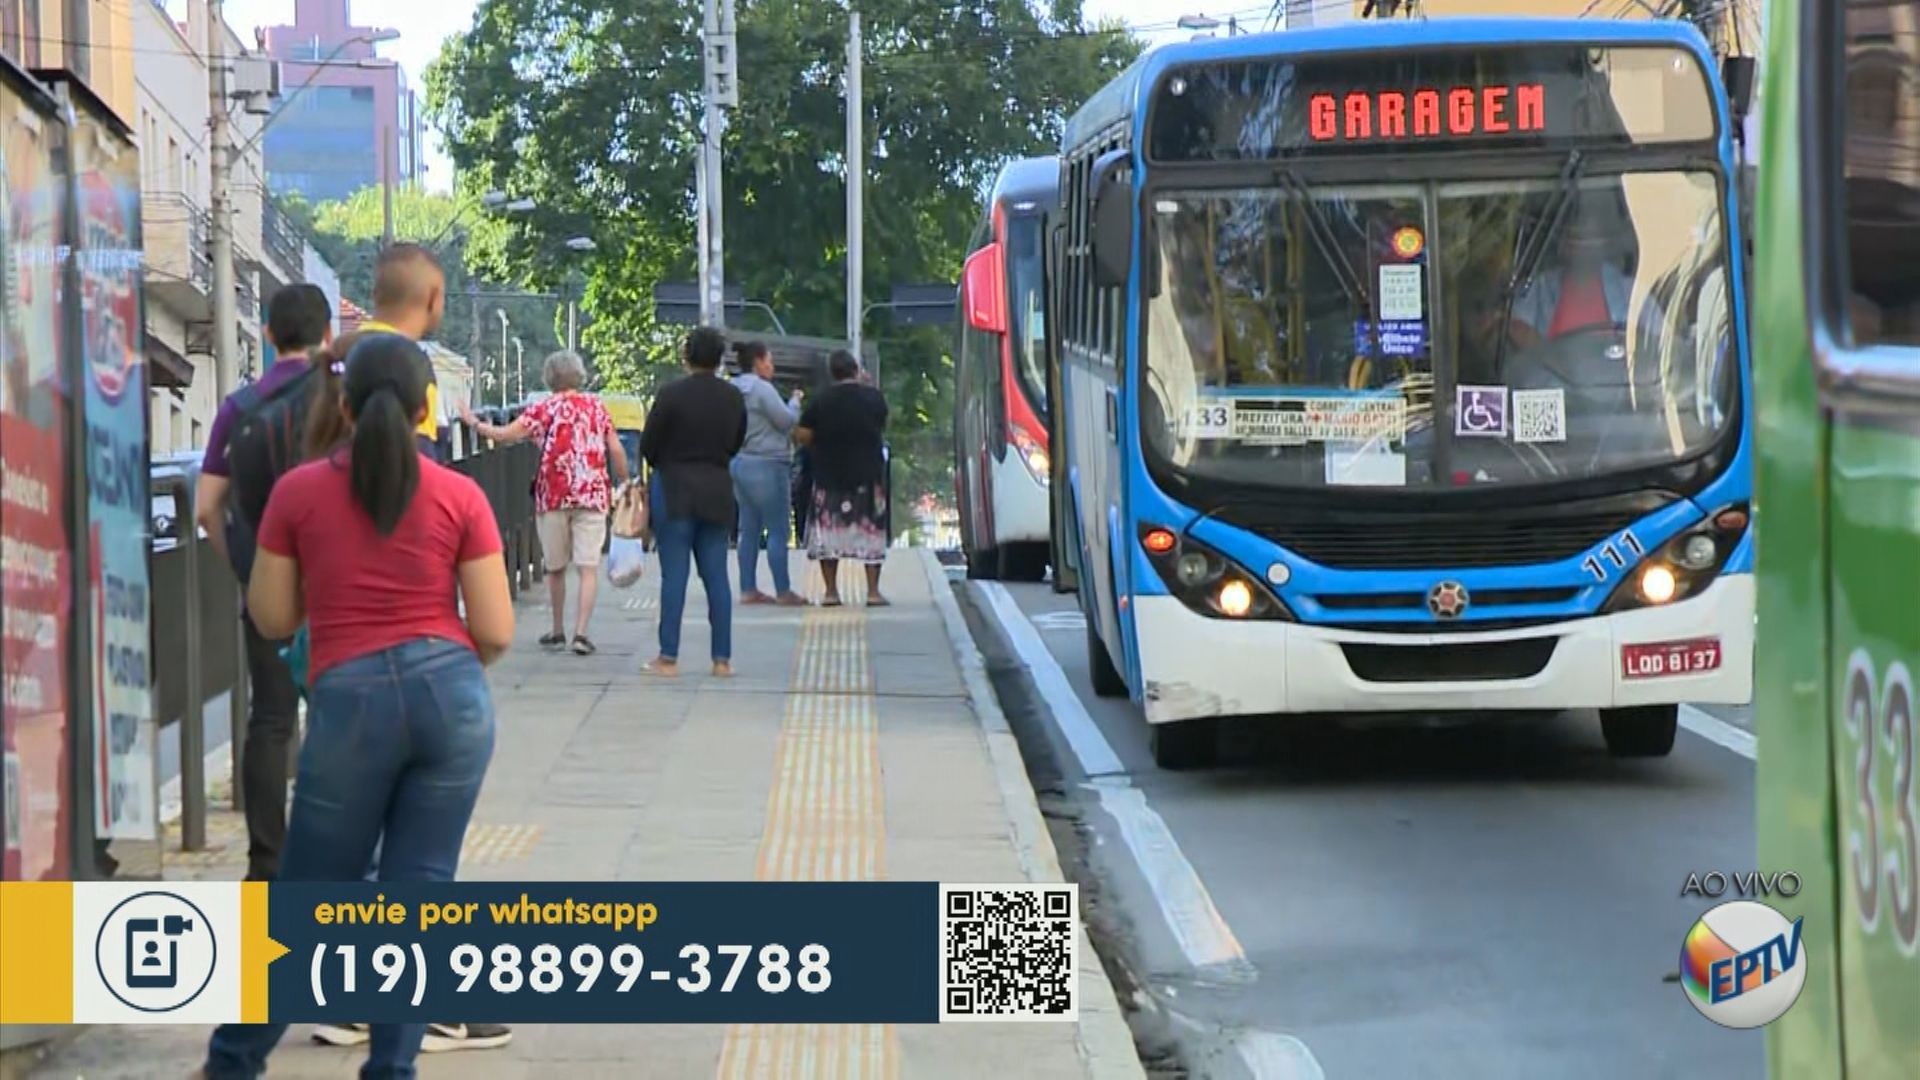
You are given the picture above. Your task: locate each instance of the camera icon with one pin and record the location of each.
(155, 951)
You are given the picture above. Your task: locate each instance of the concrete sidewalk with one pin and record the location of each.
(854, 744)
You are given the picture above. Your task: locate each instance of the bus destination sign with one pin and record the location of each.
(1463, 111)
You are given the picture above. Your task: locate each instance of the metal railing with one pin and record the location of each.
(198, 649)
(165, 211)
(278, 235)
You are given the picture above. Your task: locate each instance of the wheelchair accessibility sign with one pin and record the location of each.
(1480, 412)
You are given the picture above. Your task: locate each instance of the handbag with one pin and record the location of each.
(630, 518)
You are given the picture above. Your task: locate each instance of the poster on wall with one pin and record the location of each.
(36, 572)
(108, 255)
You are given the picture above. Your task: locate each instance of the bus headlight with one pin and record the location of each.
(1206, 581)
(1657, 584)
(1684, 566)
(1033, 456)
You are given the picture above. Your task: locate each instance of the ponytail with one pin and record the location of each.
(385, 390)
(386, 460)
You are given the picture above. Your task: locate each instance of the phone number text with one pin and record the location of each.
(549, 969)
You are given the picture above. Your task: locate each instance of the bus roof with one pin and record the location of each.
(1034, 179)
(1118, 101)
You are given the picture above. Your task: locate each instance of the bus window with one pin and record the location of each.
(1027, 319)
(1883, 172)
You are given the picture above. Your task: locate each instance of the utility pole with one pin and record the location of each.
(386, 187)
(856, 167)
(226, 301)
(520, 368)
(704, 226)
(722, 93)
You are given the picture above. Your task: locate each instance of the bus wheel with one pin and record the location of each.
(1107, 681)
(1185, 744)
(1642, 731)
(983, 565)
(1023, 562)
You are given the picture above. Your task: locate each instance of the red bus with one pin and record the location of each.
(1000, 424)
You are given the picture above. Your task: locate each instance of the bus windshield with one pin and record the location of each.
(1027, 318)
(1438, 334)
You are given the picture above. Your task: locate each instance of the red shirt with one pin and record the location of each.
(366, 592)
(572, 429)
(1583, 305)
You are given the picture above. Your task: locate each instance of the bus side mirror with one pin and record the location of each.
(983, 292)
(1737, 72)
(1112, 219)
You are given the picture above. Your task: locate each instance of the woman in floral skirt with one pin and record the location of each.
(843, 430)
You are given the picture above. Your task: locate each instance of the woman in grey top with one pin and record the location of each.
(761, 476)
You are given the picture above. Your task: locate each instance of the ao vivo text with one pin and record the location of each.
(1752, 885)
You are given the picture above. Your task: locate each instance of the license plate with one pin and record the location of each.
(1661, 659)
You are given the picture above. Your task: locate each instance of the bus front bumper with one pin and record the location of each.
(1195, 666)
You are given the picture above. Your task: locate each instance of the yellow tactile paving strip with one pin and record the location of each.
(825, 822)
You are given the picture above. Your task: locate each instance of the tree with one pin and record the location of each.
(471, 245)
(598, 118)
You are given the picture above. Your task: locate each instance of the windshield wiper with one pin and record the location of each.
(1533, 248)
(1327, 243)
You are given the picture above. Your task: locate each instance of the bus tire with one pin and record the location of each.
(983, 565)
(1186, 744)
(1107, 680)
(1640, 732)
(1023, 562)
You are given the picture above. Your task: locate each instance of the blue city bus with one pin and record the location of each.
(1403, 369)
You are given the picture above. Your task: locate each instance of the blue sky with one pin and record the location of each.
(424, 24)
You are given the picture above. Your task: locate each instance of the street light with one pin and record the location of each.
(582, 245)
(504, 325)
(492, 200)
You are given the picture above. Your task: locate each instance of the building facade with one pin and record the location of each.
(172, 122)
(89, 40)
(358, 123)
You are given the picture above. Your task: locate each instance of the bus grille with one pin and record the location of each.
(1485, 661)
(1405, 542)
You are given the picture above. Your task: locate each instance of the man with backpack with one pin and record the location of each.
(255, 439)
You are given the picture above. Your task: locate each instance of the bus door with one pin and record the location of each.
(1063, 535)
(1869, 353)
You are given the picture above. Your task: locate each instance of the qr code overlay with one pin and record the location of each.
(1539, 416)
(1007, 952)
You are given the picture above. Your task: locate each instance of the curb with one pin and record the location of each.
(1105, 1042)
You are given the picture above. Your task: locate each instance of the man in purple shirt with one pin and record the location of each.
(299, 322)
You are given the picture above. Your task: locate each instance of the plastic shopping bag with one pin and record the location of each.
(626, 561)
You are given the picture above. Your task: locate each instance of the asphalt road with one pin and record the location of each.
(1490, 900)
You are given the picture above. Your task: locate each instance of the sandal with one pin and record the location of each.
(552, 641)
(582, 646)
(661, 668)
(723, 669)
(876, 600)
(830, 600)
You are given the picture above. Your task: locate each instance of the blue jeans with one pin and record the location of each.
(761, 487)
(678, 541)
(397, 744)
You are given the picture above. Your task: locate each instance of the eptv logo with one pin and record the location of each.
(1742, 965)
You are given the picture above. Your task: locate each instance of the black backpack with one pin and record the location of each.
(263, 444)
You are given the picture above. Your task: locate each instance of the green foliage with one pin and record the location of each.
(597, 116)
(472, 246)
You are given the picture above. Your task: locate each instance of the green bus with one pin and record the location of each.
(1837, 370)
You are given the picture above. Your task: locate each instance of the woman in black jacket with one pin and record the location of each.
(697, 424)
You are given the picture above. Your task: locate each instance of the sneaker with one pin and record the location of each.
(444, 1037)
(342, 1034)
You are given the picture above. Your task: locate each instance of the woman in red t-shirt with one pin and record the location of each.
(374, 546)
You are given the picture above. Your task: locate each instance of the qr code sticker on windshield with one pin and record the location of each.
(1007, 952)
(1539, 416)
